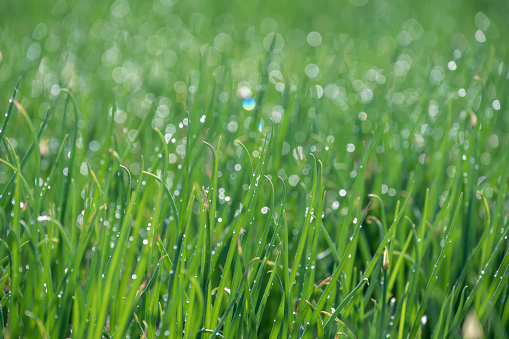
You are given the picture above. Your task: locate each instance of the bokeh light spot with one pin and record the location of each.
(248, 104)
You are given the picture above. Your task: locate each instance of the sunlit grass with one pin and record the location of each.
(204, 170)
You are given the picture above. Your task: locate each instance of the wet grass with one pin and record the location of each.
(206, 170)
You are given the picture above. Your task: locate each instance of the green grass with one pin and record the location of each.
(364, 195)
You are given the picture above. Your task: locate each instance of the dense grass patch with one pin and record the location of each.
(238, 169)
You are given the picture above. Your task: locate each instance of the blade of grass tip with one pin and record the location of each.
(451, 312)
(8, 187)
(211, 194)
(108, 152)
(53, 171)
(342, 241)
(495, 289)
(279, 320)
(151, 281)
(177, 316)
(450, 330)
(283, 241)
(501, 197)
(157, 210)
(496, 326)
(399, 262)
(265, 296)
(287, 118)
(68, 176)
(128, 198)
(434, 274)
(480, 247)
(397, 237)
(103, 171)
(234, 280)
(344, 302)
(248, 158)
(487, 226)
(440, 172)
(168, 193)
(65, 236)
(169, 318)
(443, 213)
(259, 266)
(382, 211)
(249, 321)
(333, 280)
(4, 280)
(330, 244)
(241, 220)
(7, 150)
(134, 298)
(211, 203)
(300, 251)
(193, 323)
(9, 111)
(403, 313)
(488, 312)
(230, 306)
(305, 229)
(14, 302)
(181, 225)
(113, 267)
(24, 183)
(349, 332)
(79, 309)
(177, 263)
(181, 260)
(360, 251)
(388, 235)
(319, 325)
(316, 229)
(35, 144)
(309, 275)
(187, 169)
(130, 143)
(445, 311)
(3, 226)
(491, 261)
(40, 325)
(275, 237)
(416, 272)
(65, 309)
(74, 227)
(378, 263)
(109, 138)
(505, 311)
(203, 244)
(424, 219)
(470, 197)
(233, 322)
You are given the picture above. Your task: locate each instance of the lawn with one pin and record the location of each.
(247, 169)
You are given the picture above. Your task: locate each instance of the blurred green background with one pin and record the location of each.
(144, 51)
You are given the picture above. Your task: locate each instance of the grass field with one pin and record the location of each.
(204, 169)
